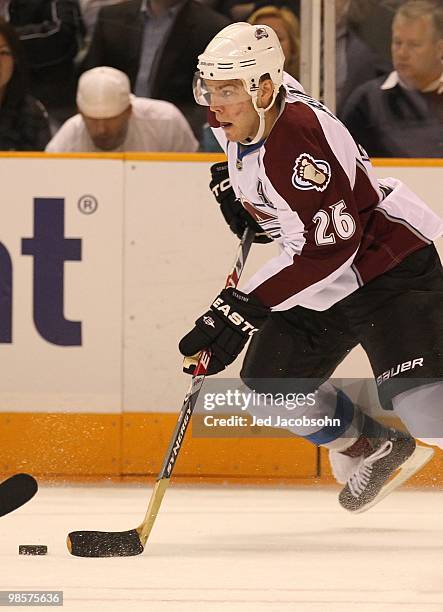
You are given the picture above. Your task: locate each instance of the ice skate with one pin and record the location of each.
(392, 461)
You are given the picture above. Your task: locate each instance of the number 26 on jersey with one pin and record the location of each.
(333, 224)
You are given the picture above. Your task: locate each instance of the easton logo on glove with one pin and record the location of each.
(225, 329)
(233, 316)
(222, 186)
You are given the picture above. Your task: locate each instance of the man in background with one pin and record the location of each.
(402, 115)
(111, 119)
(356, 63)
(156, 43)
(51, 32)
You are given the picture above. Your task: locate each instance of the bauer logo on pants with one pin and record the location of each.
(400, 367)
(310, 173)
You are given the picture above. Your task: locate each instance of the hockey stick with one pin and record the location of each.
(132, 542)
(16, 491)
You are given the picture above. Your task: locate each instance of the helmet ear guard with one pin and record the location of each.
(244, 52)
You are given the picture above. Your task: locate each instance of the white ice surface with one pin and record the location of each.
(250, 549)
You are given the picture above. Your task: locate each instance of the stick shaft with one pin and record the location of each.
(189, 403)
(154, 506)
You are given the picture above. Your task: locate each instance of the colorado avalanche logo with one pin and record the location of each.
(261, 33)
(310, 173)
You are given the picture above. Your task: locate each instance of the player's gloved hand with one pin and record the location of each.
(235, 215)
(232, 319)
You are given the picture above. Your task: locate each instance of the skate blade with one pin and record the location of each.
(415, 462)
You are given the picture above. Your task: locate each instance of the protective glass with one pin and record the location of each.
(209, 92)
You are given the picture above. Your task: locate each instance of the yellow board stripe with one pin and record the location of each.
(152, 157)
(196, 157)
(408, 163)
(39, 155)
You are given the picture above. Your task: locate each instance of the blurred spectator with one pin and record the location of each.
(111, 119)
(156, 43)
(371, 20)
(211, 3)
(356, 63)
(240, 10)
(287, 27)
(51, 32)
(402, 116)
(23, 120)
(90, 9)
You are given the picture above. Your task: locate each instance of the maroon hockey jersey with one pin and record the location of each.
(313, 190)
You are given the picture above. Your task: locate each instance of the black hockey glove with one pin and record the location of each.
(233, 318)
(235, 215)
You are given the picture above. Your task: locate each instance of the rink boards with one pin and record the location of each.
(105, 261)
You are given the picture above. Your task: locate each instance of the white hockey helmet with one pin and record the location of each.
(246, 52)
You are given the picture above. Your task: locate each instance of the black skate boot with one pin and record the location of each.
(385, 464)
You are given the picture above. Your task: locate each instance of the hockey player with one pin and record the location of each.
(356, 264)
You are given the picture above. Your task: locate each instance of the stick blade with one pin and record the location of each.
(16, 491)
(104, 543)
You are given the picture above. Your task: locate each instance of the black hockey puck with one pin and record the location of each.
(32, 549)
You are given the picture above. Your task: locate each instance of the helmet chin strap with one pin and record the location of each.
(261, 116)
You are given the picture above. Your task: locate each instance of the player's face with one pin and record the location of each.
(108, 134)
(416, 51)
(6, 64)
(233, 109)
